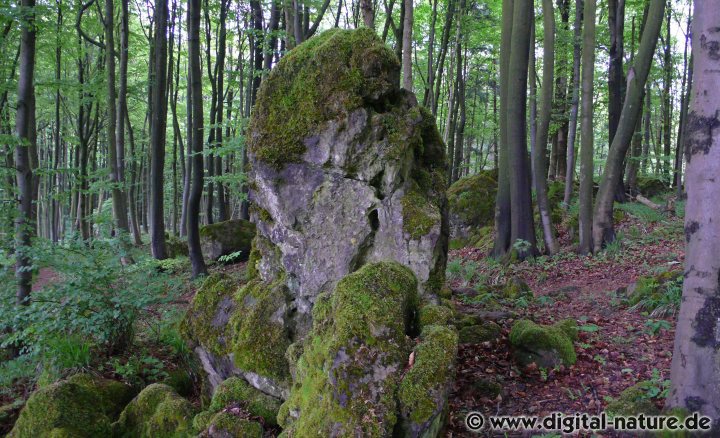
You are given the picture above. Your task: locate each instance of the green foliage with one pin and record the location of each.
(654, 326)
(230, 258)
(642, 212)
(92, 305)
(660, 295)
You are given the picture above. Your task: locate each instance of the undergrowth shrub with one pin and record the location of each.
(90, 306)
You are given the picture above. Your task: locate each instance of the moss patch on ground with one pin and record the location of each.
(633, 401)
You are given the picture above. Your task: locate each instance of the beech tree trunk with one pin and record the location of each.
(23, 172)
(695, 375)
(193, 220)
(502, 200)
(603, 229)
(588, 143)
(543, 127)
(522, 228)
(575, 103)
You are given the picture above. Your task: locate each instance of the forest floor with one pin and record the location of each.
(618, 345)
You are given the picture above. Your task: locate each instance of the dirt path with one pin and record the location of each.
(616, 349)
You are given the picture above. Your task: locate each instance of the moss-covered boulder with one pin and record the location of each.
(633, 401)
(175, 246)
(228, 237)
(546, 346)
(424, 389)
(157, 412)
(241, 330)
(433, 314)
(80, 406)
(349, 375)
(479, 333)
(237, 391)
(650, 186)
(471, 202)
(345, 169)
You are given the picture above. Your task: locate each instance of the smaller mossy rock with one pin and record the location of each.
(80, 406)
(486, 388)
(424, 390)
(633, 401)
(479, 333)
(471, 202)
(352, 360)
(650, 186)
(175, 246)
(238, 331)
(432, 314)
(157, 412)
(224, 238)
(237, 390)
(228, 425)
(516, 288)
(546, 346)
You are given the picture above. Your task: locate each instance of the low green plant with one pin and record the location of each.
(642, 212)
(654, 326)
(454, 268)
(230, 258)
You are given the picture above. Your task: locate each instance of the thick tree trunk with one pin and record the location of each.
(522, 228)
(588, 143)
(502, 201)
(23, 173)
(574, 105)
(193, 221)
(695, 375)
(368, 13)
(543, 127)
(603, 230)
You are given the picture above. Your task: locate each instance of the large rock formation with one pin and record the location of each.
(348, 197)
(471, 203)
(346, 169)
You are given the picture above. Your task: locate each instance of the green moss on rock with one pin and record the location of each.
(349, 370)
(472, 199)
(633, 401)
(237, 390)
(432, 314)
(157, 412)
(322, 79)
(81, 406)
(479, 333)
(547, 346)
(420, 215)
(423, 390)
(175, 246)
(225, 424)
(260, 337)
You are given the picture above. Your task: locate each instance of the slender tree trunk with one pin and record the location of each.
(193, 221)
(55, 214)
(158, 134)
(23, 172)
(544, 126)
(116, 129)
(220, 76)
(574, 105)
(407, 46)
(429, 98)
(695, 375)
(603, 230)
(685, 89)
(587, 144)
(502, 201)
(667, 102)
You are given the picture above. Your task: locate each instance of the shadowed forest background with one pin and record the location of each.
(204, 203)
